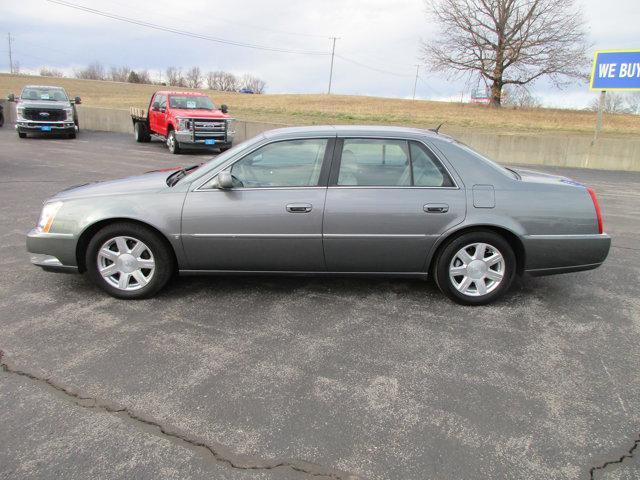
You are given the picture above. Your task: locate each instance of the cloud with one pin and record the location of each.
(378, 33)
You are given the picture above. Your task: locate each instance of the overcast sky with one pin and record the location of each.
(384, 35)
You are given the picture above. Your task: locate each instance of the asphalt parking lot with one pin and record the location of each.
(288, 378)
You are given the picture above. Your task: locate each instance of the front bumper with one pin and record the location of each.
(52, 251)
(186, 138)
(551, 254)
(28, 126)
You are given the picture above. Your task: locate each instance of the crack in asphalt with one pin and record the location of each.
(630, 453)
(218, 452)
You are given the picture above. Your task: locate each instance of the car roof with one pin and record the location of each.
(177, 92)
(43, 86)
(352, 130)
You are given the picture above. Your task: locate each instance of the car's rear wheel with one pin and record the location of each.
(129, 261)
(172, 142)
(475, 268)
(141, 132)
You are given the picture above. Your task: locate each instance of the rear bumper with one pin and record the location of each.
(52, 251)
(551, 254)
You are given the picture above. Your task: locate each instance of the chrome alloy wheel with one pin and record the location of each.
(171, 141)
(477, 269)
(126, 263)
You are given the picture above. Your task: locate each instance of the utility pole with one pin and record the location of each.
(415, 84)
(333, 52)
(10, 57)
(601, 105)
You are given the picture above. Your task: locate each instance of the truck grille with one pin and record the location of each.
(45, 114)
(209, 128)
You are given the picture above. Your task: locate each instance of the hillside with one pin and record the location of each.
(323, 109)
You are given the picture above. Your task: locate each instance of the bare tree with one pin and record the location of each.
(194, 77)
(174, 77)
(223, 81)
(51, 72)
(254, 84)
(144, 76)
(519, 97)
(119, 74)
(632, 101)
(508, 42)
(94, 71)
(613, 103)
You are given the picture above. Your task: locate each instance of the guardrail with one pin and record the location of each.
(570, 150)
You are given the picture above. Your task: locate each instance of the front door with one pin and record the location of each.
(271, 220)
(387, 203)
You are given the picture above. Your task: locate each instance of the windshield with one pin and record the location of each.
(191, 102)
(51, 94)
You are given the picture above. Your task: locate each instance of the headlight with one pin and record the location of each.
(231, 126)
(184, 124)
(20, 112)
(46, 217)
(69, 112)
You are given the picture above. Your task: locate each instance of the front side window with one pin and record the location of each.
(191, 102)
(291, 163)
(389, 163)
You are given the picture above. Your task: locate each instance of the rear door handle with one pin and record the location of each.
(299, 207)
(436, 208)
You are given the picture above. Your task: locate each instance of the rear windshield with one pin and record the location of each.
(191, 102)
(505, 171)
(44, 93)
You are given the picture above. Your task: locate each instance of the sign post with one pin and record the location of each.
(613, 70)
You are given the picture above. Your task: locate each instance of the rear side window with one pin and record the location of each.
(390, 163)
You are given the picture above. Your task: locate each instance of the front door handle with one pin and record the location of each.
(299, 207)
(436, 208)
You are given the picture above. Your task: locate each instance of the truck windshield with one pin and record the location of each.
(191, 102)
(51, 94)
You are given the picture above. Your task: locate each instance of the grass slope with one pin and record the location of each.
(336, 109)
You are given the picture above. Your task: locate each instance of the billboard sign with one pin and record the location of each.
(616, 70)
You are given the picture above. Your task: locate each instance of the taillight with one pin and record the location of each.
(592, 193)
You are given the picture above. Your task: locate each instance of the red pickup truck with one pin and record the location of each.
(184, 120)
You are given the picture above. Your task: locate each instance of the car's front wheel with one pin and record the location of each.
(172, 142)
(22, 135)
(129, 261)
(475, 268)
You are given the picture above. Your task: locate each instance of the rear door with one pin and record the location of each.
(387, 203)
(271, 220)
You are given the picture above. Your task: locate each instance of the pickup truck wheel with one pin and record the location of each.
(72, 135)
(22, 135)
(172, 142)
(129, 261)
(141, 133)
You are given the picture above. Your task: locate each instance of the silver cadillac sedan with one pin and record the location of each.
(343, 200)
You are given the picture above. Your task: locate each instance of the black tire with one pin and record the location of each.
(1, 120)
(449, 253)
(158, 251)
(172, 143)
(141, 133)
(22, 135)
(72, 135)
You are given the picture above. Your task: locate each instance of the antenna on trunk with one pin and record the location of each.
(437, 128)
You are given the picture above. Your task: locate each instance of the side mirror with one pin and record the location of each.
(225, 180)
(11, 97)
(156, 106)
(224, 108)
(78, 100)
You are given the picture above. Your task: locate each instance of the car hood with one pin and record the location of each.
(43, 104)
(195, 113)
(533, 176)
(148, 182)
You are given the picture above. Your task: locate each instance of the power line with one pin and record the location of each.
(184, 33)
(376, 69)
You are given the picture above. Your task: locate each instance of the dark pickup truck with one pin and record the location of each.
(184, 120)
(45, 109)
